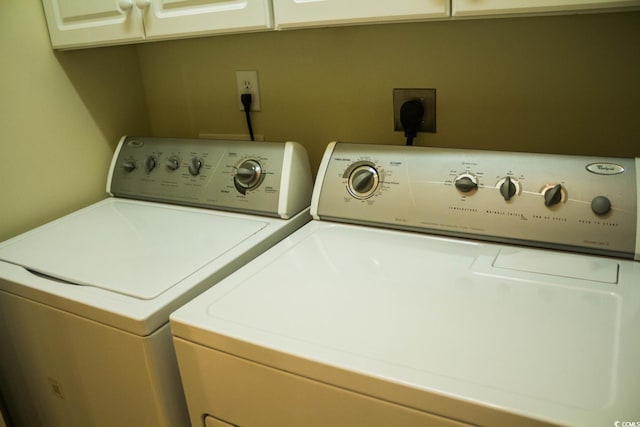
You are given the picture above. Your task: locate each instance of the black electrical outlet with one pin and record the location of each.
(428, 99)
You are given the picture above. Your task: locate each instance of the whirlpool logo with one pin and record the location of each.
(627, 423)
(605, 168)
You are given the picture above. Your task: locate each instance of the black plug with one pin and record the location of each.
(411, 114)
(245, 98)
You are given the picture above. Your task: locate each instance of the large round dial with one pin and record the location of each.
(363, 181)
(248, 175)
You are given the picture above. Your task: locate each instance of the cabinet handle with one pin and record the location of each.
(125, 5)
(143, 4)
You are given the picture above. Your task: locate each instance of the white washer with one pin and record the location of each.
(434, 287)
(85, 300)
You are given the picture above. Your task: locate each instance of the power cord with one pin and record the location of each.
(411, 114)
(245, 98)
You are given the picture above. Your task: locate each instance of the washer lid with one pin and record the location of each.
(131, 248)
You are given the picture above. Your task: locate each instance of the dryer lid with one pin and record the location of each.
(432, 313)
(132, 248)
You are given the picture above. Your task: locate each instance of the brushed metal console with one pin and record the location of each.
(580, 203)
(267, 178)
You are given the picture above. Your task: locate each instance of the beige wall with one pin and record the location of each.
(563, 84)
(61, 115)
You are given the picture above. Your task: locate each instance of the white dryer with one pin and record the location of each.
(434, 287)
(85, 300)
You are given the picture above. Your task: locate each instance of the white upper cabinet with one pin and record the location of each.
(510, 7)
(315, 13)
(84, 23)
(77, 23)
(87, 23)
(187, 18)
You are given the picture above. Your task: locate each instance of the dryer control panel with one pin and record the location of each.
(587, 204)
(259, 177)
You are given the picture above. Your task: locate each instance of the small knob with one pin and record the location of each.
(363, 181)
(194, 166)
(143, 4)
(600, 205)
(466, 183)
(508, 188)
(553, 195)
(129, 165)
(173, 163)
(125, 5)
(150, 164)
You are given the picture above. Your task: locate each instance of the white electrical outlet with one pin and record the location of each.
(247, 82)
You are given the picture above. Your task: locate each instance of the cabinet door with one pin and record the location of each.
(307, 13)
(166, 19)
(79, 23)
(504, 7)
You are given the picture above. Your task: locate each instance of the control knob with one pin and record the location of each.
(173, 163)
(363, 181)
(150, 164)
(600, 205)
(553, 195)
(248, 175)
(466, 182)
(508, 187)
(194, 166)
(129, 165)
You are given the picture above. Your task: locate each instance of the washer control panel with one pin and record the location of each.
(575, 202)
(262, 177)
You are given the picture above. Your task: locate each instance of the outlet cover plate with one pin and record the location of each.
(428, 99)
(247, 82)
